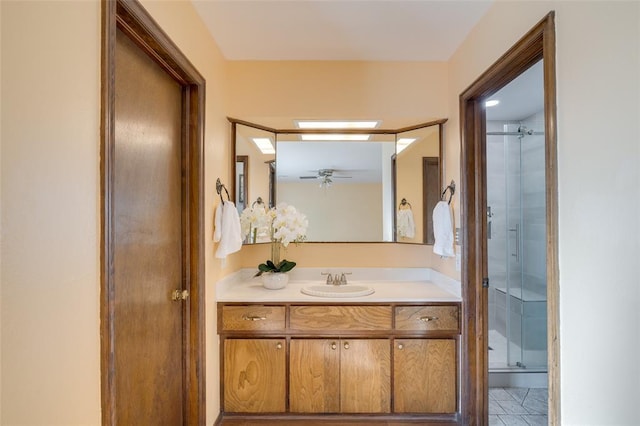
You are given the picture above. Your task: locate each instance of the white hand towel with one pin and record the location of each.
(217, 224)
(229, 230)
(406, 225)
(443, 230)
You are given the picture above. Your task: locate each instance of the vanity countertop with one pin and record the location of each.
(398, 285)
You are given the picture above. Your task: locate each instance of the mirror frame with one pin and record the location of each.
(439, 122)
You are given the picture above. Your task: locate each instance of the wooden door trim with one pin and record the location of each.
(130, 17)
(538, 43)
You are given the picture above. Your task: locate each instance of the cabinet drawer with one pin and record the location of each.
(330, 318)
(253, 317)
(427, 318)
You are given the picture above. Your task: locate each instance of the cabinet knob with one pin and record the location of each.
(346, 345)
(278, 345)
(400, 346)
(334, 346)
(427, 319)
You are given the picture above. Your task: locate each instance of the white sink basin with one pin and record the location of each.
(348, 290)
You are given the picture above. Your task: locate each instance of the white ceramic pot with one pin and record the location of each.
(274, 280)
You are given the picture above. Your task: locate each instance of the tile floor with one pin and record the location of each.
(518, 406)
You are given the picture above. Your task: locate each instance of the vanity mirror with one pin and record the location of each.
(353, 185)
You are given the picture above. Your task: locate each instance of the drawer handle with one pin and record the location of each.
(400, 346)
(427, 319)
(253, 318)
(278, 345)
(346, 345)
(334, 346)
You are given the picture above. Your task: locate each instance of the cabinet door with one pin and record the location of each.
(254, 375)
(365, 381)
(424, 376)
(314, 374)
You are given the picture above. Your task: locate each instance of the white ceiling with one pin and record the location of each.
(368, 30)
(521, 98)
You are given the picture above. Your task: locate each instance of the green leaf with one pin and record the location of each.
(265, 267)
(286, 266)
(269, 266)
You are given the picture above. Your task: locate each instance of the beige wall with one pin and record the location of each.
(598, 163)
(274, 93)
(50, 183)
(0, 218)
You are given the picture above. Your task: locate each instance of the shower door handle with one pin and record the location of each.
(517, 231)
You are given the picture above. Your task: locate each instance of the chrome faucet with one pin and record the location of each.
(329, 277)
(336, 279)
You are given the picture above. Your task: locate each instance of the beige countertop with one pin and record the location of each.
(389, 285)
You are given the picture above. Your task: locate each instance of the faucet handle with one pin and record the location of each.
(329, 277)
(343, 278)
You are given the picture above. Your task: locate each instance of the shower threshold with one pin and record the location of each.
(515, 377)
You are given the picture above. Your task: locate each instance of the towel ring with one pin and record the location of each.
(219, 187)
(452, 190)
(258, 201)
(404, 203)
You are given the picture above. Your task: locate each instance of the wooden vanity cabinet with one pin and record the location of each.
(340, 376)
(424, 372)
(387, 359)
(255, 375)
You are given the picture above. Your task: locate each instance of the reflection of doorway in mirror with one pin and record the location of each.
(241, 193)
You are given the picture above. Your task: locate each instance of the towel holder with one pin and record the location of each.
(219, 187)
(452, 190)
(258, 201)
(404, 203)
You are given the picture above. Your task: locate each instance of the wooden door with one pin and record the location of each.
(254, 375)
(365, 376)
(148, 241)
(314, 375)
(152, 226)
(424, 376)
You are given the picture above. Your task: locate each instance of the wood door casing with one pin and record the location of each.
(538, 43)
(424, 375)
(365, 376)
(120, 312)
(149, 238)
(255, 375)
(314, 376)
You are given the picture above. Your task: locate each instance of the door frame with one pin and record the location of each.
(538, 43)
(131, 18)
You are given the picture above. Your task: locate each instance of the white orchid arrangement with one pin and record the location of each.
(288, 225)
(255, 223)
(281, 225)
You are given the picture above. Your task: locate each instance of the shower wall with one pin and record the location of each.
(517, 243)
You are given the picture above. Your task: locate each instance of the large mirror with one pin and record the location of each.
(353, 187)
